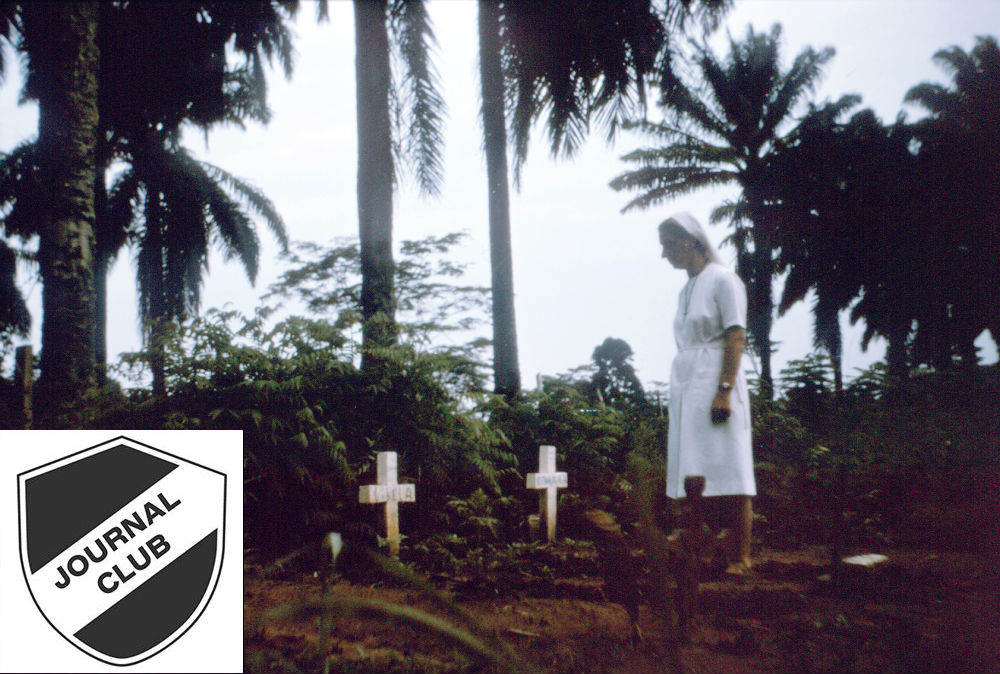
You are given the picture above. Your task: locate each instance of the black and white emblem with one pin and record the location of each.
(121, 546)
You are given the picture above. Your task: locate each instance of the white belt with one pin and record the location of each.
(696, 347)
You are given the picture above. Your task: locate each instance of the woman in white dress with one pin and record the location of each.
(709, 430)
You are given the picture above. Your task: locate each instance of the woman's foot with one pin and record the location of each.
(740, 568)
(726, 540)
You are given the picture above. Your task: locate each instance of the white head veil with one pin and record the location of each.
(690, 224)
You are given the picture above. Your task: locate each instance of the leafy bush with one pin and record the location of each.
(312, 421)
(933, 419)
(592, 442)
(939, 419)
(778, 437)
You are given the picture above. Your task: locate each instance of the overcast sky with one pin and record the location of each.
(582, 270)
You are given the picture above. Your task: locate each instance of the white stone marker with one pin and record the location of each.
(389, 492)
(548, 479)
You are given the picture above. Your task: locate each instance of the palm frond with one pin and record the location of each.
(568, 116)
(571, 63)
(725, 87)
(521, 111)
(234, 231)
(204, 212)
(685, 153)
(801, 80)
(245, 97)
(934, 98)
(618, 111)
(797, 285)
(260, 31)
(954, 60)
(23, 202)
(253, 198)
(186, 244)
(187, 204)
(14, 314)
(664, 183)
(685, 101)
(826, 326)
(707, 13)
(414, 40)
(8, 19)
(123, 209)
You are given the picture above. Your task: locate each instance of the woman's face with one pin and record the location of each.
(679, 247)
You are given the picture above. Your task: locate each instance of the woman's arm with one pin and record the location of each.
(735, 343)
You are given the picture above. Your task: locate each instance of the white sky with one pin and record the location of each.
(582, 270)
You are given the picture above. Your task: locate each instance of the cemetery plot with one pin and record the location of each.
(932, 605)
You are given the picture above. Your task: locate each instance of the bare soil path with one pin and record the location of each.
(934, 606)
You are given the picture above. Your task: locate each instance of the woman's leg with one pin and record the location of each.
(744, 529)
(734, 513)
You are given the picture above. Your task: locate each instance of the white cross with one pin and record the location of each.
(548, 479)
(389, 492)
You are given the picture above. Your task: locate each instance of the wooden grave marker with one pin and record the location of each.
(391, 493)
(549, 480)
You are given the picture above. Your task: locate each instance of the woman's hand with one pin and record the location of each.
(735, 342)
(721, 409)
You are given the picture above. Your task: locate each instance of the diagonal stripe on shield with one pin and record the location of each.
(121, 546)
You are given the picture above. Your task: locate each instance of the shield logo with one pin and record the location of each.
(121, 546)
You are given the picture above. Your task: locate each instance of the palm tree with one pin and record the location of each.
(571, 71)
(176, 206)
(377, 163)
(18, 189)
(847, 197)
(15, 319)
(719, 129)
(960, 150)
(506, 368)
(60, 40)
(172, 57)
(14, 315)
(375, 175)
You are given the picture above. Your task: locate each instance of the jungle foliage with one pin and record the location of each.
(313, 420)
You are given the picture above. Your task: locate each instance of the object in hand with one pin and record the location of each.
(719, 415)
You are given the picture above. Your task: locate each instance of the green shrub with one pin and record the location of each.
(942, 419)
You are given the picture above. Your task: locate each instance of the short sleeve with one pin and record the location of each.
(731, 298)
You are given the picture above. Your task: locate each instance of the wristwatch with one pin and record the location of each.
(725, 387)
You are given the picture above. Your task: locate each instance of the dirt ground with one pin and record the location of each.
(933, 606)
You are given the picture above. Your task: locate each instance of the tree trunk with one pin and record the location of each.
(506, 369)
(102, 262)
(154, 308)
(63, 55)
(838, 377)
(762, 304)
(375, 177)
(760, 301)
(101, 322)
(896, 356)
(159, 336)
(828, 336)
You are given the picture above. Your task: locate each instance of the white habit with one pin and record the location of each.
(709, 303)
